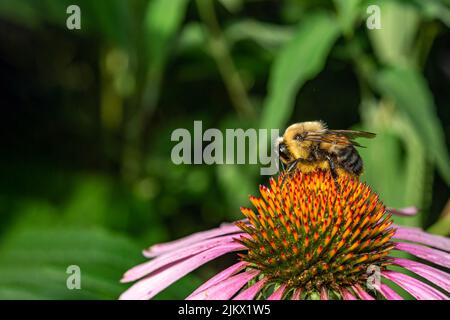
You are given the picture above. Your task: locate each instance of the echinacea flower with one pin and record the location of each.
(306, 240)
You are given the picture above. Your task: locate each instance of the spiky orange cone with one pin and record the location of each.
(310, 237)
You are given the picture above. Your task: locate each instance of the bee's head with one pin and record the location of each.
(295, 137)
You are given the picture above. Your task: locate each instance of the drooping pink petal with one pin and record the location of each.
(346, 295)
(250, 293)
(436, 256)
(226, 289)
(161, 248)
(408, 211)
(323, 294)
(221, 276)
(418, 235)
(362, 294)
(297, 294)
(152, 285)
(171, 257)
(416, 288)
(277, 294)
(438, 277)
(388, 293)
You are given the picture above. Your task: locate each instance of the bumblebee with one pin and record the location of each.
(308, 146)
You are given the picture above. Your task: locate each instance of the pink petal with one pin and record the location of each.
(161, 248)
(346, 295)
(277, 294)
(439, 257)
(418, 235)
(362, 294)
(171, 257)
(416, 288)
(388, 293)
(226, 289)
(438, 277)
(408, 211)
(250, 293)
(225, 274)
(297, 294)
(152, 285)
(324, 294)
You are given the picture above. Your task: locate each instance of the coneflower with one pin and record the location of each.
(306, 240)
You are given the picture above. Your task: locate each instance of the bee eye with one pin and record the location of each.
(300, 136)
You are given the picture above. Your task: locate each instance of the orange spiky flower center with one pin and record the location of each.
(312, 236)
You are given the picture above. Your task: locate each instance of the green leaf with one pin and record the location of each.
(89, 202)
(395, 161)
(232, 6)
(436, 9)
(299, 60)
(410, 92)
(348, 12)
(442, 226)
(417, 183)
(192, 36)
(34, 260)
(162, 21)
(267, 35)
(393, 43)
(111, 17)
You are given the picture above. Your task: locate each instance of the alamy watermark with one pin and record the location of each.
(235, 146)
(73, 281)
(373, 277)
(374, 19)
(73, 21)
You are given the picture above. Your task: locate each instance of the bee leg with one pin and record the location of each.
(291, 166)
(287, 172)
(282, 165)
(333, 172)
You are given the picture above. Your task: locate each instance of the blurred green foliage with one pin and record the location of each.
(87, 115)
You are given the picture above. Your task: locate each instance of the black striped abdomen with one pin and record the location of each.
(350, 160)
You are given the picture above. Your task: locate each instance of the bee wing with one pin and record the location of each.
(327, 138)
(341, 137)
(352, 134)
